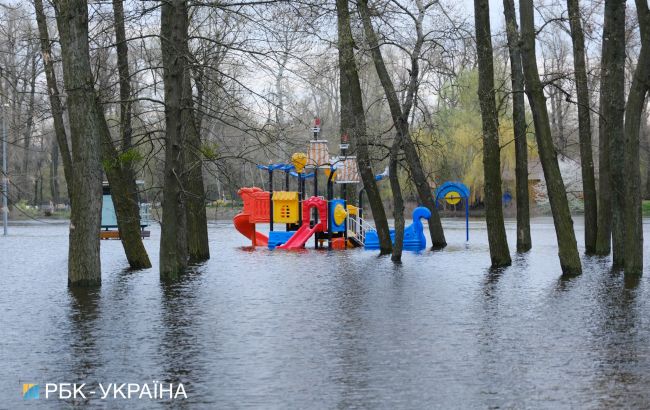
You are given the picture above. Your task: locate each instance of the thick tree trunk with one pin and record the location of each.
(197, 221)
(524, 242)
(353, 122)
(173, 239)
(610, 128)
(632, 210)
(398, 201)
(53, 94)
(584, 128)
(84, 268)
(615, 127)
(568, 248)
(499, 252)
(400, 116)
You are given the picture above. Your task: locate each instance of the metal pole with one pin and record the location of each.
(5, 188)
(270, 197)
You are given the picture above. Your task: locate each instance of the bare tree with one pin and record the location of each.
(584, 127)
(567, 245)
(632, 211)
(499, 252)
(84, 268)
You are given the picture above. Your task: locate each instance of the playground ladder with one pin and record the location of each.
(359, 227)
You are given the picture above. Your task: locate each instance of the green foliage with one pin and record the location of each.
(458, 136)
(210, 151)
(127, 157)
(646, 208)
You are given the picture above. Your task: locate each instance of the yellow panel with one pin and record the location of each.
(353, 210)
(285, 207)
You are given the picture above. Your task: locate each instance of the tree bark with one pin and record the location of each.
(568, 248)
(173, 239)
(197, 221)
(615, 126)
(119, 173)
(122, 48)
(499, 252)
(54, 173)
(400, 116)
(353, 122)
(53, 94)
(584, 128)
(84, 268)
(524, 242)
(610, 125)
(398, 201)
(632, 209)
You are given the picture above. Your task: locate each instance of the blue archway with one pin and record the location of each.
(453, 190)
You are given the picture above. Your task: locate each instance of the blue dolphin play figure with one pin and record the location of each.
(414, 239)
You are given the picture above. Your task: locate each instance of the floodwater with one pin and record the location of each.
(319, 329)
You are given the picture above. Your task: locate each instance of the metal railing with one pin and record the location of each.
(359, 227)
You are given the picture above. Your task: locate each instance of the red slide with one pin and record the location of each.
(302, 235)
(246, 228)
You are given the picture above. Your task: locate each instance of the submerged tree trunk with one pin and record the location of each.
(615, 127)
(119, 173)
(584, 128)
(524, 242)
(400, 116)
(173, 239)
(197, 221)
(499, 252)
(566, 239)
(55, 99)
(632, 210)
(84, 268)
(353, 122)
(398, 200)
(610, 128)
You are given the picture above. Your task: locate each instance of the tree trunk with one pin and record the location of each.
(610, 126)
(27, 138)
(568, 248)
(119, 173)
(173, 239)
(499, 252)
(632, 210)
(54, 173)
(84, 268)
(124, 195)
(615, 126)
(398, 201)
(400, 117)
(524, 242)
(197, 221)
(353, 122)
(122, 48)
(53, 94)
(584, 128)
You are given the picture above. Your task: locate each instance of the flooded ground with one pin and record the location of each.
(318, 329)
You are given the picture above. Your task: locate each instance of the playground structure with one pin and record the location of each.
(326, 219)
(453, 192)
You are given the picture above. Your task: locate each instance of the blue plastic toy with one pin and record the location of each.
(414, 239)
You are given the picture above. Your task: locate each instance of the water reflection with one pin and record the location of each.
(333, 329)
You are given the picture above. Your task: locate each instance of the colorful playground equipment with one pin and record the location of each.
(453, 192)
(326, 219)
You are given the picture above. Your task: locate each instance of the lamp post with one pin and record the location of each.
(5, 190)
